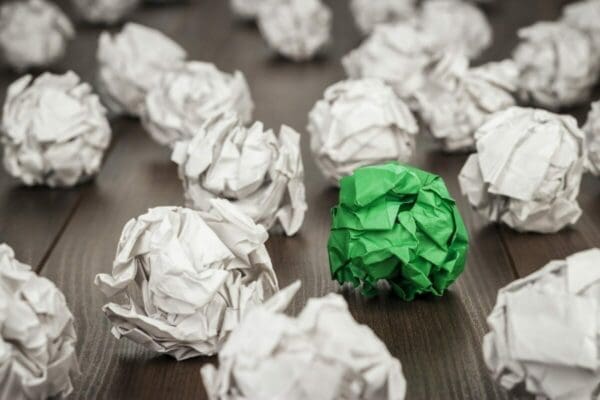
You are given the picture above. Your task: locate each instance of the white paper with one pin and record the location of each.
(183, 99)
(399, 54)
(456, 26)
(33, 33)
(260, 173)
(527, 170)
(54, 130)
(245, 9)
(130, 62)
(296, 29)
(37, 339)
(323, 354)
(370, 13)
(105, 11)
(543, 336)
(558, 65)
(457, 100)
(592, 134)
(584, 15)
(359, 123)
(185, 278)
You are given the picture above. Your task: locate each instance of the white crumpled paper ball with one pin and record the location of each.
(37, 336)
(54, 130)
(584, 15)
(105, 11)
(457, 100)
(260, 173)
(543, 338)
(296, 29)
(130, 62)
(322, 354)
(399, 54)
(359, 123)
(33, 33)
(370, 13)
(456, 26)
(592, 133)
(183, 99)
(186, 278)
(558, 65)
(527, 170)
(245, 9)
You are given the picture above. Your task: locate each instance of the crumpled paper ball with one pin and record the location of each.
(129, 66)
(558, 65)
(105, 11)
(584, 15)
(527, 170)
(323, 354)
(358, 123)
(245, 9)
(184, 98)
(37, 336)
(370, 13)
(296, 29)
(186, 278)
(457, 100)
(543, 338)
(260, 173)
(33, 33)
(456, 26)
(592, 134)
(399, 54)
(399, 225)
(54, 130)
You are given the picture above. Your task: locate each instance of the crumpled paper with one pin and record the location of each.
(245, 9)
(105, 11)
(358, 123)
(296, 29)
(54, 130)
(456, 26)
(37, 336)
(399, 54)
(592, 134)
(186, 278)
(457, 100)
(584, 15)
(396, 224)
(323, 354)
(33, 33)
(558, 65)
(370, 13)
(129, 65)
(543, 337)
(527, 170)
(260, 173)
(183, 99)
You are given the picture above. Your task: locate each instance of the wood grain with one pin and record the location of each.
(438, 340)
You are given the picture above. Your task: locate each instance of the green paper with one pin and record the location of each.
(398, 224)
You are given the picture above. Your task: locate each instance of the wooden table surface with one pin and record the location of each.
(71, 235)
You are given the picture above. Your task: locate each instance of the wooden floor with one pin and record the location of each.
(71, 235)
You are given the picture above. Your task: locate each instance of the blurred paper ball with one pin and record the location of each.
(245, 9)
(37, 335)
(129, 66)
(184, 98)
(105, 11)
(54, 130)
(184, 279)
(357, 123)
(370, 13)
(527, 170)
(33, 33)
(399, 225)
(296, 29)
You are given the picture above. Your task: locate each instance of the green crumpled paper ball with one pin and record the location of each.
(399, 224)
